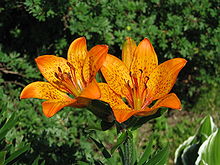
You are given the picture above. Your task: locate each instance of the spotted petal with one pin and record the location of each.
(128, 49)
(163, 78)
(48, 66)
(51, 107)
(76, 55)
(145, 58)
(121, 111)
(109, 96)
(44, 90)
(94, 61)
(116, 74)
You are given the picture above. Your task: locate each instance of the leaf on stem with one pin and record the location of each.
(121, 138)
(146, 153)
(160, 158)
(17, 153)
(102, 148)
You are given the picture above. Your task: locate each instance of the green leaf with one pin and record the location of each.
(43, 163)
(187, 152)
(2, 157)
(147, 152)
(190, 154)
(160, 158)
(209, 152)
(180, 149)
(102, 148)
(82, 163)
(17, 153)
(36, 161)
(7, 126)
(121, 138)
(207, 128)
(128, 152)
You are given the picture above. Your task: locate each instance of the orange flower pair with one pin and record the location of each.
(132, 84)
(74, 76)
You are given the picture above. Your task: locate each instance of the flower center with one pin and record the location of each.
(68, 81)
(138, 93)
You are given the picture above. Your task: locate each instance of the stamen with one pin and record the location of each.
(59, 69)
(129, 94)
(146, 103)
(67, 80)
(56, 75)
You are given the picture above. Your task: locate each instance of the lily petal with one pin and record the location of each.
(43, 90)
(92, 91)
(162, 79)
(109, 96)
(128, 49)
(116, 74)
(48, 66)
(94, 61)
(77, 54)
(123, 113)
(50, 108)
(169, 101)
(145, 58)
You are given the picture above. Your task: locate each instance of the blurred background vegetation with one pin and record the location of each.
(176, 28)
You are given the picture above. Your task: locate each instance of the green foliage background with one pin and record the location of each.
(177, 28)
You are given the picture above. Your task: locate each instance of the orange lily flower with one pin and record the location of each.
(74, 76)
(136, 81)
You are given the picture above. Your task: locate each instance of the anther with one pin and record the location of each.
(56, 75)
(70, 65)
(69, 76)
(147, 78)
(59, 69)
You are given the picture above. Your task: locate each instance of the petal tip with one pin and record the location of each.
(128, 38)
(104, 46)
(80, 39)
(40, 59)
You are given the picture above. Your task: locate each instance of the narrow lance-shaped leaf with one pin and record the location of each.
(2, 157)
(102, 148)
(146, 153)
(7, 126)
(121, 138)
(160, 158)
(17, 153)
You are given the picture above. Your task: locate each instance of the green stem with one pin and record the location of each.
(126, 149)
